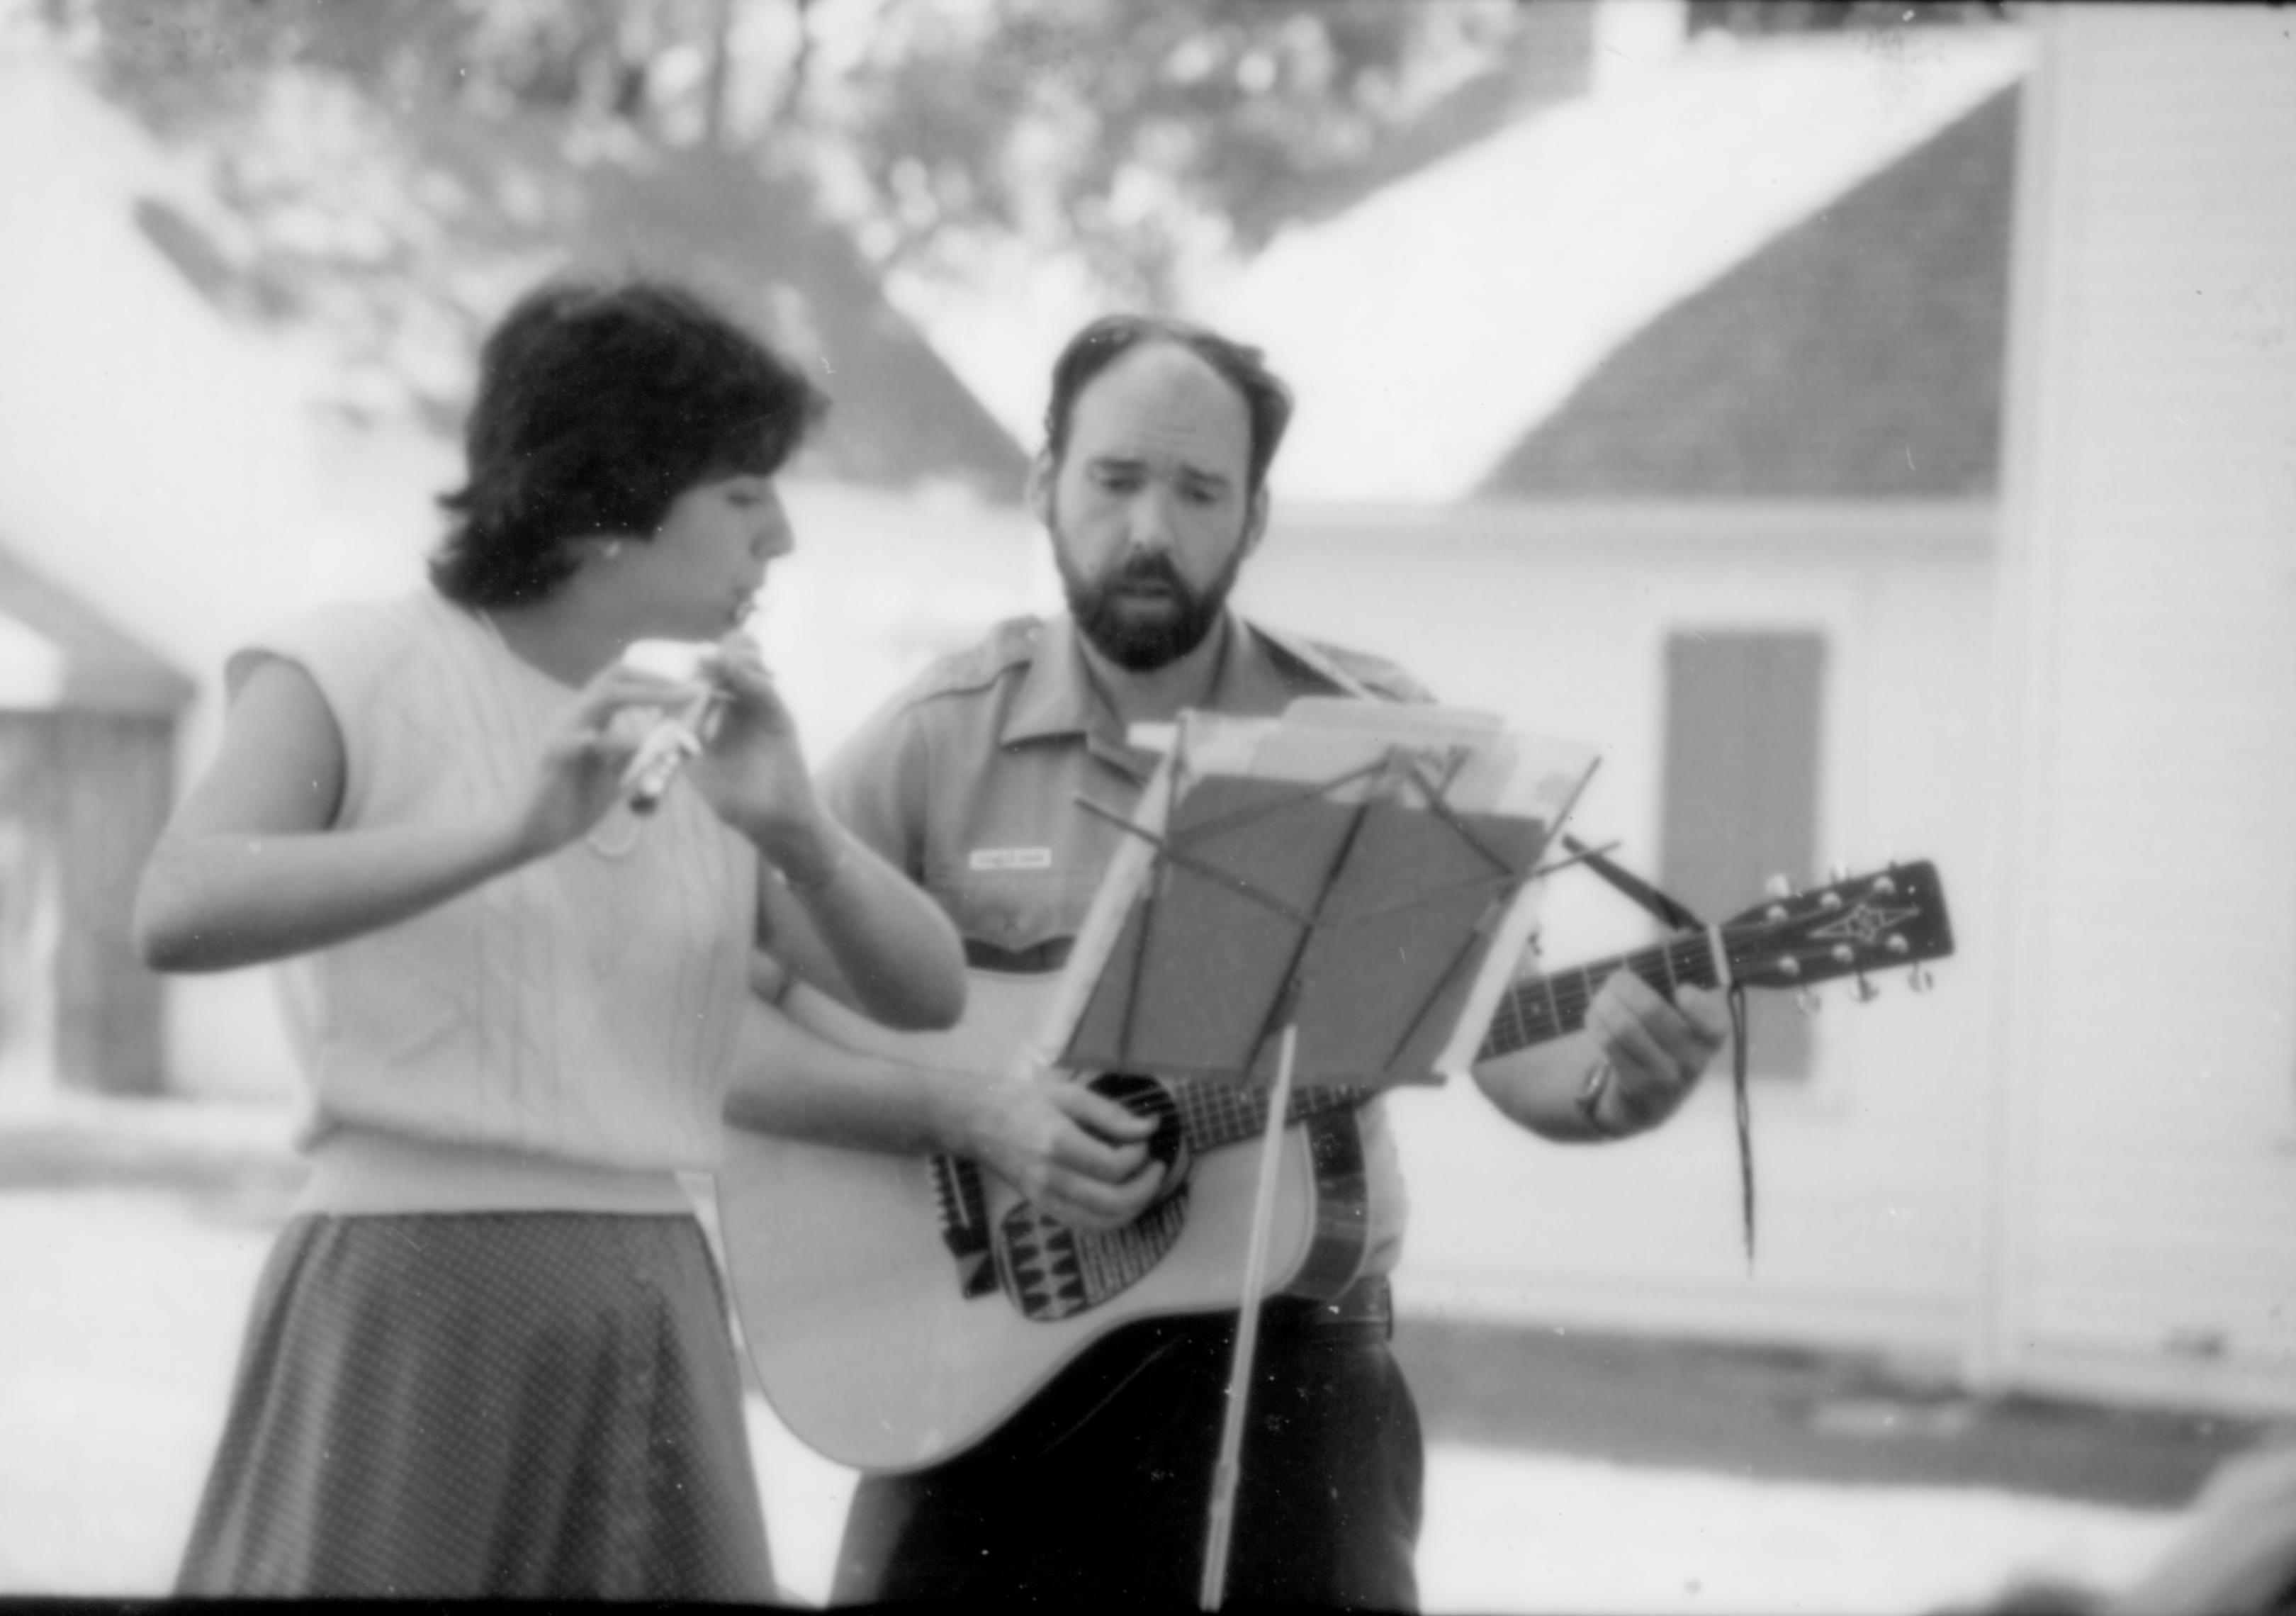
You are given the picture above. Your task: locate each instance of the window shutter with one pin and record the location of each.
(1743, 711)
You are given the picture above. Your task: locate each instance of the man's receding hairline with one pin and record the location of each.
(1147, 345)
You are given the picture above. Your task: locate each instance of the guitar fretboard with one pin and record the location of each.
(1543, 1007)
(1533, 1011)
(1214, 1113)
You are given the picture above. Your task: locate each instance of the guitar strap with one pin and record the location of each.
(1672, 914)
(1669, 911)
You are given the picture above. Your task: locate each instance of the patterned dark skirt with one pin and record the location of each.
(515, 1405)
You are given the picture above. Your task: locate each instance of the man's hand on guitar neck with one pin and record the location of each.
(1638, 1055)
(1657, 1048)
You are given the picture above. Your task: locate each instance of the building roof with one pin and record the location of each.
(57, 652)
(1857, 356)
(900, 416)
(1430, 330)
(456, 211)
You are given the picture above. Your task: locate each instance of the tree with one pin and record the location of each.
(1131, 135)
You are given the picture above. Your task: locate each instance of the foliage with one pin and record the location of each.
(1838, 16)
(1133, 135)
(388, 165)
(1128, 134)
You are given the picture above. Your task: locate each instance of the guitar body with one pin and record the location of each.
(869, 1342)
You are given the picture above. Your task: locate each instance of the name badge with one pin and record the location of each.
(1011, 858)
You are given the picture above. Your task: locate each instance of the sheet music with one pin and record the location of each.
(1474, 782)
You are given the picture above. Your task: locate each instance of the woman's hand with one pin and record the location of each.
(253, 867)
(579, 774)
(752, 768)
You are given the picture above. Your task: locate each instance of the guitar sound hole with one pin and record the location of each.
(1146, 1097)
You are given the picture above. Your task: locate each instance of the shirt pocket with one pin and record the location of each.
(1013, 919)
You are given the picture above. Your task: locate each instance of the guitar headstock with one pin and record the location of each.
(1890, 917)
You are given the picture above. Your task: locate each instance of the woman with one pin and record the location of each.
(489, 1355)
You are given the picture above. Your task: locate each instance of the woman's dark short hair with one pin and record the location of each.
(597, 405)
(1267, 401)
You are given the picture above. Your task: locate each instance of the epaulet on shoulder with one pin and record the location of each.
(1377, 674)
(1012, 644)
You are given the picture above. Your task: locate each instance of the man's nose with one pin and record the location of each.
(1149, 529)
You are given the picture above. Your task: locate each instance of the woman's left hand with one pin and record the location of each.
(752, 768)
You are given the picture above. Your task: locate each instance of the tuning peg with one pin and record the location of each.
(1865, 992)
(1806, 1001)
(1884, 886)
(1777, 886)
(1837, 873)
(1920, 979)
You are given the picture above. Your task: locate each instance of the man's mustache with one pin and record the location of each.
(1149, 570)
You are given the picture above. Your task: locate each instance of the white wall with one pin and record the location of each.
(2144, 1036)
(878, 586)
(1557, 618)
(159, 465)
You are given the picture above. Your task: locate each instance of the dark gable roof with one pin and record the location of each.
(899, 417)
(1857, 356)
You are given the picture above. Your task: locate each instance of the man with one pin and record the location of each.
(1152, 484)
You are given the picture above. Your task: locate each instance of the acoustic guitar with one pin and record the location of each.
(899, 1309)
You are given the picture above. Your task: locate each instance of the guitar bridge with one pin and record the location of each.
(964, 1210)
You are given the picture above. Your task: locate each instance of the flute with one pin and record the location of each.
(675, 736)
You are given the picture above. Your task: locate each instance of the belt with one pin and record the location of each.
(1363, 1312)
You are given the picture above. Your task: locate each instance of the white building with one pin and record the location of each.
(1953, 516)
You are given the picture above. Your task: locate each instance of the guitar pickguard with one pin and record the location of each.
(1051, 1271)
(1047, 1270)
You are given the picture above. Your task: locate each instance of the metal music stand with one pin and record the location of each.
(1348, 927)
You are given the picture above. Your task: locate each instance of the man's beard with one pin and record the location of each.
(1140, 642)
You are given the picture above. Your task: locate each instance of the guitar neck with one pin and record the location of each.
(1540, 1008)
(1533, 1011)
(1215, 1113)
(1879, 921)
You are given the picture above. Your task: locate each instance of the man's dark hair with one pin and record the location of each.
(598, 405)
(1267, 401)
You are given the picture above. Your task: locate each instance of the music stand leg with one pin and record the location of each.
(1228, 1469)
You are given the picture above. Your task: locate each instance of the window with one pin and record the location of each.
(1741, 790)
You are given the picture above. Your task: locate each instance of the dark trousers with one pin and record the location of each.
(1100, 1488)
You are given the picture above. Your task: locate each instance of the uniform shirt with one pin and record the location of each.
(968, 779)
